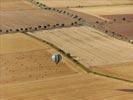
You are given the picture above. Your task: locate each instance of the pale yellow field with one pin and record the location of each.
(29, 74)
(27, 71)
(18, 42)
(106, 10)
(90, 47)
(122, 70)
(26, 59)
(71, 87)
(75, 3)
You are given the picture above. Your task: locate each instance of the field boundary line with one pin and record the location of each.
(106, 5)
(77, 62)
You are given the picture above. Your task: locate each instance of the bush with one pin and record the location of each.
(75, 22)
(7, 31)
(62, 25)
(39, 26)
(64, 12)
(35, 28)
(60, 50)
(97, 22)
(26, 29)
(45, 27)
(79, 19)
(10, 30)
(48, 25)
(68, 55)
(37, 2)
(113, 33)
(123, 19)
(75, 16)
(21, 29)
(114, 20)
(57, 24)
(106, 31)
(17, 30)
(72, 24)
(54, 9)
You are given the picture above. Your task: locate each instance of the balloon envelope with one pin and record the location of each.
(56, 58)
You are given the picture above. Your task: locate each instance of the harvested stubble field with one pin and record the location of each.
(106, 10)
(26, 69)
(19, 14)
(28, 74)
(120, 19)
(80, 3)
(24, 59)
(91, 47)
(71, 87)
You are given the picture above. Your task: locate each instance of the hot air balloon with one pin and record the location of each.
(56, 58)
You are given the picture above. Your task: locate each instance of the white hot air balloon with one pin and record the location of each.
(56, 58)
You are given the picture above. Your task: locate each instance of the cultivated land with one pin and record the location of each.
(106, 10)
(24, 59)
(119, 19)
(27, 73)
(91, 47)
(78, 3)
(71, 87)
(20, 14)
(26, 69)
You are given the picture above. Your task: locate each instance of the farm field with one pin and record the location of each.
(78, 3)
(119, 19)
(26, 59)
(20, 14)
(71, 87)
(27, 73)
(106, 10)
(94, 38)
(90, 47)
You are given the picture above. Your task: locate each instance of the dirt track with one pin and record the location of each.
(90, 47)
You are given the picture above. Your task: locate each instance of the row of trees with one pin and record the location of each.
(39, 27)
(61, 11)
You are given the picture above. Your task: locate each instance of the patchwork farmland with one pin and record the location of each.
(115, 20)
(20, 15)
(94, 38)
(91, 47)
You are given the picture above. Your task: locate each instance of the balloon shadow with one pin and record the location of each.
(125, 90)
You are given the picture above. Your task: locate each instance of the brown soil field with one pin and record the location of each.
(122, 25)
(27, 59)
(119, 19)
(90, 47)
(78, 3)
(20, 14)
(71, 87)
